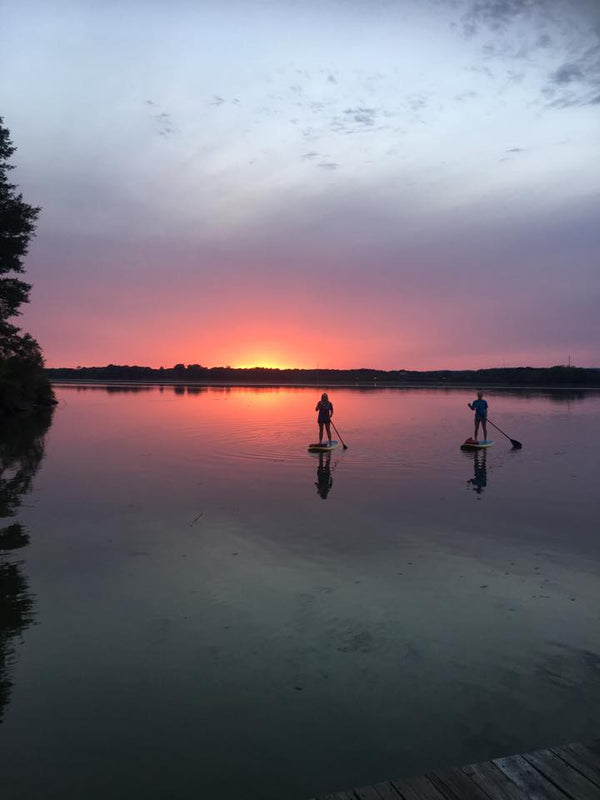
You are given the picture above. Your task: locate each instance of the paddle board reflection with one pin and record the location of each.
(324, 480)
(479, 479)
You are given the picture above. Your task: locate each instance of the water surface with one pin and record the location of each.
(206, 610)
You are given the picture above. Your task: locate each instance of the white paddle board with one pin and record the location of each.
(471, 444)
(324, 447)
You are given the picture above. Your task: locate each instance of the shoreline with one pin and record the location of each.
(320, 385)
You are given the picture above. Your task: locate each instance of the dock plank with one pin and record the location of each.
(416, 788)
(386, 791)
(454, 784)
(493, 781)
(562, 774)
(582, 759)
(533, 785)
(567, 772)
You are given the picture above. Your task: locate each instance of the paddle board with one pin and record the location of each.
(471, 444)
(322, 448)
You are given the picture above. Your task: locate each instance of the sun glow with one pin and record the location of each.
(262, 363)
(267, 358)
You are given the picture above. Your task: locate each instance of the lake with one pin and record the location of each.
(194, 606)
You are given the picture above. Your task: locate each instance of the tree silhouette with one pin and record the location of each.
(22, 380)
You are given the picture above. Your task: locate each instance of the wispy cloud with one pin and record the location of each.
(364, 116)
(163, 121)
(494, 14)
(576, 82)
(465, 96)
(567, 73)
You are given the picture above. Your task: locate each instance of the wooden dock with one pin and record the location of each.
(571, 772)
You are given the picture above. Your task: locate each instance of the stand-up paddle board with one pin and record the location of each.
(324, 447)
(471, 444)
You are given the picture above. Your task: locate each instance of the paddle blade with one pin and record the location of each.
(517, 445)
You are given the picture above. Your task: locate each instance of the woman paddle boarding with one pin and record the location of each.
(325, 409)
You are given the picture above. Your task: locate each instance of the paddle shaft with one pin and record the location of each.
(345, 446)
(514, 442)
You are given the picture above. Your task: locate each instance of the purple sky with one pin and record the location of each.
(384, 183)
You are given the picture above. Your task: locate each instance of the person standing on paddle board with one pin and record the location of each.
(325, 409)
(480, 406)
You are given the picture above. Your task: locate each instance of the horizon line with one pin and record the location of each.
(185, 367)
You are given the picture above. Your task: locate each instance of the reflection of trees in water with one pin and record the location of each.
(16, 614)
(21, 452)
(117, 388)
(558, 396)
(554, 395)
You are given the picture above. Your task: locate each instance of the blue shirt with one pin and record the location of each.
(479, 406)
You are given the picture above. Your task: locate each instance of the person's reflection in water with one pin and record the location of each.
(324, 480)
(21, 452)
(479, 479)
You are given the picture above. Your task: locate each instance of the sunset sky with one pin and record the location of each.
(336, 183)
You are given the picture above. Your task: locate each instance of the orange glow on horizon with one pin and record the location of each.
(252, 340)
(266, 356)
(262, 364)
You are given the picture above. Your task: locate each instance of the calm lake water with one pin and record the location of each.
(196, 607)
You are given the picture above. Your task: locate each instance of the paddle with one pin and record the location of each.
(516, 444)
(345, 446)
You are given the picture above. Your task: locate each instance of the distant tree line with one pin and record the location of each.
(195, 373)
